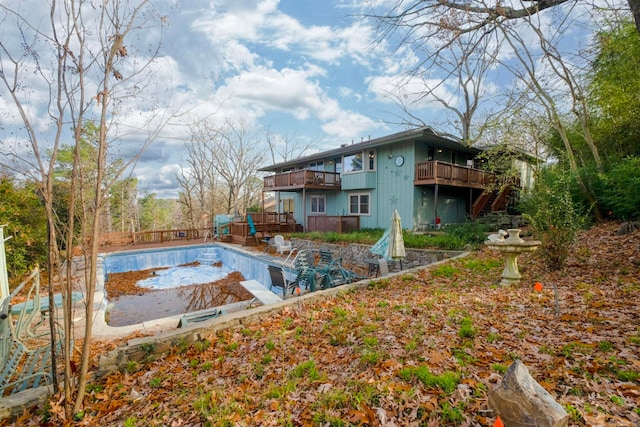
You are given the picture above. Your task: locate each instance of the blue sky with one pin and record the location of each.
(307, 69)
(300, 68)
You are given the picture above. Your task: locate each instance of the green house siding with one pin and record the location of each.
(395, 185)
(358, 180)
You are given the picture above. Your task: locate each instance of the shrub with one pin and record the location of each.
(554, 215)
(472, 233)
(617, 189)
(369, 236)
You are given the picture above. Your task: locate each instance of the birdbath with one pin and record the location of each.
(511, 246)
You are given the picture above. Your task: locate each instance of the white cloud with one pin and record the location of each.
(245, 59)
(159, 180)
(261, 23)
(350, 126)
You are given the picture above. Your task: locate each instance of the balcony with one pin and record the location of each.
(434, 172)
(302, 179)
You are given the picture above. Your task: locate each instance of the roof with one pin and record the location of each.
(422, 134)
(522, 153)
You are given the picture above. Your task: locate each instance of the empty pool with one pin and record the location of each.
(183, 281)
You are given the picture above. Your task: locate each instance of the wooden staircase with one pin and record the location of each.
(491, 201)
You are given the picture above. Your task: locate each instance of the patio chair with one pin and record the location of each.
(278, 279)
(306, 274)
(282, 245)
(331, 271)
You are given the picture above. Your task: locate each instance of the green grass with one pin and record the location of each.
(452, 414)
(445, 270)
(466, 329)
(483, 266)
(201, 345)
(370, 341)
(501, 369)
(628, 375)
(493, 337)
(370, 357)
(231, 347)
(280, 391)
(306, 369)
(617, 400)
(447, 381)
(605, 346)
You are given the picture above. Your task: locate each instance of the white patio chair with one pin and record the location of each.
(282, 245)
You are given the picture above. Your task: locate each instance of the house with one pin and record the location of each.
(431, 180)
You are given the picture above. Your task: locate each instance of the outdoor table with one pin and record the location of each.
(373, 267)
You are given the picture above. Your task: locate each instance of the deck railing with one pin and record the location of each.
(305, 178)
(264, 222)
(435, 172)
(156, 236)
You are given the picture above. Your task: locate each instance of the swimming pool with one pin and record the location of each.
(172, 281)
(251, 267)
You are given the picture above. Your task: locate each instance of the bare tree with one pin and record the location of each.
(81, 63)
(283, 148)
(231, 153)
(199, 182)
(545, 75)
(468, 16)
(454, 76)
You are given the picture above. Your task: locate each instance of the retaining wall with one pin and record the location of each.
(353, 254)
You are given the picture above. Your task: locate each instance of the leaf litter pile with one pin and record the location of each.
(126, 296)
(423, 348)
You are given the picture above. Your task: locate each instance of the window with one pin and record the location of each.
(317, 166)
(318, 204)
(372, 160)
(352, 163)
(359, 161)
(287, 205)
(359, 204)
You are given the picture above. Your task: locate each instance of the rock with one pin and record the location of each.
(628, 227)
(521, 402)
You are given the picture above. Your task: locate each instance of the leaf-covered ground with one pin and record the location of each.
(420, 349)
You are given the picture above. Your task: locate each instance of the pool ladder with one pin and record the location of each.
(288, 261)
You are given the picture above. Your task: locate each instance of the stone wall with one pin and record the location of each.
(353, 254)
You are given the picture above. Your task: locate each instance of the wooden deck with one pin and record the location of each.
(441, 173)
(265, 223)
(302, 179)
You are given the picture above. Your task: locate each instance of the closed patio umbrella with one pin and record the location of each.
(396, 241)
(391, 244)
